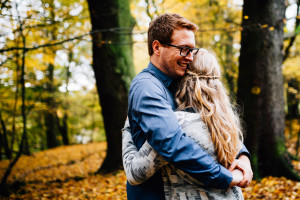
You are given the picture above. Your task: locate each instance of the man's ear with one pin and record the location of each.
(156, 47)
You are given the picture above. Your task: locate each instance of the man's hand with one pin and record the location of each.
(243, 164)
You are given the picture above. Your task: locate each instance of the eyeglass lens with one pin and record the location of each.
(186, 51)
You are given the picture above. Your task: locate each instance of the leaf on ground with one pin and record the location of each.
(65, 173)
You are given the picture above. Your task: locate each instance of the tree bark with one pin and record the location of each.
(17, 83)
(50, 115)
(25, 147)
(63, 128)
(260, 87)
(4, 140)
(50, 119)
(229, 65)
(4, 187)
(113, 67)
(292, 100)
(1, 145)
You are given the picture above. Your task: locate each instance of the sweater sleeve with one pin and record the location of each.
(152, 114)
(139, 165)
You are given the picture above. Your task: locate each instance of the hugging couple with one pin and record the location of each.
(183, 138)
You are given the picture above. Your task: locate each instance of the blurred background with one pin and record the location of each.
(66, 66)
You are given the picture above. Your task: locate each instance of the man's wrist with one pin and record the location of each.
(224, 179)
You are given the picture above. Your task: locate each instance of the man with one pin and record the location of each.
(171, 46)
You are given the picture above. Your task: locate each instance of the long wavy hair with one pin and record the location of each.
(202, 90)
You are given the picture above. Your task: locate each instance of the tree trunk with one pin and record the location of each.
(112, 63)
(4, 140)
(229, 67)
(292, 100)
(260, 87)
(63, 128)
(50, 115)
(50, 119)
(1, 145)
(4, 187)
(25, 147)
(13, 128)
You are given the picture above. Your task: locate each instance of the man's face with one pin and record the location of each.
(172, 63)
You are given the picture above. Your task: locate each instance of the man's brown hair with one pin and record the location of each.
(162, 27)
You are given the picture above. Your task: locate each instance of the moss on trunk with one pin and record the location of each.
(112, 25)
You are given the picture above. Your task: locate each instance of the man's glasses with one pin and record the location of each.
(184, 51)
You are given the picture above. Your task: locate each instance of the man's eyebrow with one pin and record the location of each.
(186, 46)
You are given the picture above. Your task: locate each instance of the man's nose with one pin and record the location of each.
(189, 56)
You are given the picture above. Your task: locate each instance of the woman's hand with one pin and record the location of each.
(237, 177)
(243, 164)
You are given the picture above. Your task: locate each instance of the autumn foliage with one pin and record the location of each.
(67, 172)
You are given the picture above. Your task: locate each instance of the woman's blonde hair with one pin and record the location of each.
(202, 90)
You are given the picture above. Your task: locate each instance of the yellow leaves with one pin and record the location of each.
(255, 90)
(271, 28)
(58, 164)
(291, 137)
(63, 173)
(65, 181)
(273, 188)
(284, 21)
(34, 62)
(291, 65)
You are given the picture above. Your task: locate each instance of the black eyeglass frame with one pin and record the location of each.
(190, 50)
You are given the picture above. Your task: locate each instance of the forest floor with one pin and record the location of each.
(67, 172)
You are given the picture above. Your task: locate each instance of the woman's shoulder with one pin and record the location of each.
(189, 120)
(187, 116)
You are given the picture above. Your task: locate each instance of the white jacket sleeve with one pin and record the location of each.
(139, 165)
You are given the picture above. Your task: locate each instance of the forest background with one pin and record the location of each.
(58, 57)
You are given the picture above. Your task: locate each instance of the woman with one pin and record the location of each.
(206, 115)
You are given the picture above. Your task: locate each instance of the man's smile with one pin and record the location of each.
(183, 64)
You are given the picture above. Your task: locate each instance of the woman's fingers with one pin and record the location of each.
(244, 165)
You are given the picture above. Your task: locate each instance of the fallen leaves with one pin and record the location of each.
(273, 188)
(111, 186)
(57, 164)
(67, 173)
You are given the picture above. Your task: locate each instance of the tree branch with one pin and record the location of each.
(41, 25)
(118, 30)
(293, 38)
(3, 4)
(44, 45)
(148, 9)
(8, 59)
